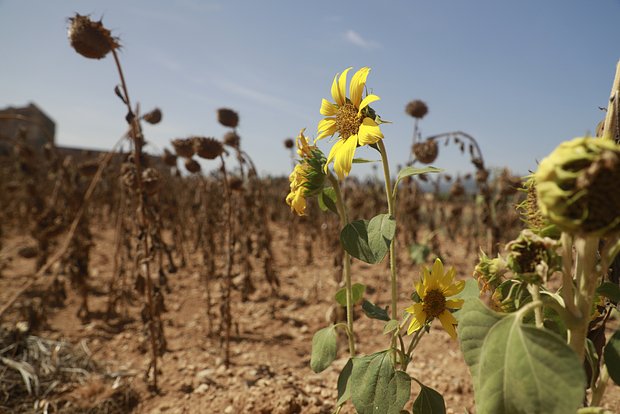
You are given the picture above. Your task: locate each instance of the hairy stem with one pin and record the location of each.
(344, 220)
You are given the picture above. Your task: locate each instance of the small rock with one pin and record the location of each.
(202, 389)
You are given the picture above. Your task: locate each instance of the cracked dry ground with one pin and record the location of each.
(270, 350)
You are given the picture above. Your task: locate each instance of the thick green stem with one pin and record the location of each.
(390, 201)
(587, 277)
(344, 220)
(538, 311)
(599, 389)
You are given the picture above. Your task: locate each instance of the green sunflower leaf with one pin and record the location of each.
(344, 388)
(376, 388)
(363, 161)
(369, 241)
(324, 348)
(327, 200)
(429, 401)
(612, 357)
(409, 171)
(357, 291)
(610, 290)
(374, 312)
(518, 367)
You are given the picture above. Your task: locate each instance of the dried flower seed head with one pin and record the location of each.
(128, 176)
(235, 183)
(207, 148)
(578, 186)
(89, 38)
(169, 158)
(192, 165)
(482, 175)
(150, 180)
(426, 152)
(416, 109)
(153, 117)
(508, 184)
(457, 189)
(289, 143)
(184, 147)
(228, 117)
(232, 139)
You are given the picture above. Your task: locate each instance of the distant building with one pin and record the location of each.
(29, 123)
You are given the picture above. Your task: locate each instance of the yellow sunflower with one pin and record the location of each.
(307, 177)
(350, 117)
(434, 289)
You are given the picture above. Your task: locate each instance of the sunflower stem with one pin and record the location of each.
(344, 219)
(538, 311)
(587, 281)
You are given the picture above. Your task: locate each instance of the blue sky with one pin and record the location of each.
(520, 76)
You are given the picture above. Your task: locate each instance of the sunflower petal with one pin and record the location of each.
(367, 101)
(369, 132)
(454, 288)
(448, 278)
(448, 322)
(328, 108)
(344, 157)
(358, 81)
(419, 317)
(454, 303)
(437, 269)
(339, 99)
(342, 85)
(326, 127)
(332, 152)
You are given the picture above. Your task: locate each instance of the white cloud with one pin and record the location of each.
(355, 38)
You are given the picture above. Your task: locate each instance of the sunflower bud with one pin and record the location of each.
(490, 272)
(533, 258)
(90, 39)
(578, 186)
(426, 152)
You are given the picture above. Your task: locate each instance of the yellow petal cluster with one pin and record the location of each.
(307, 177)
(434, 289)
(349, 117)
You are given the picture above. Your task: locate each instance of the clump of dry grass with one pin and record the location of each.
(39, 373)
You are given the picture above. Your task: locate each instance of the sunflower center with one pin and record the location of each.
(434, 303)
(348, 120)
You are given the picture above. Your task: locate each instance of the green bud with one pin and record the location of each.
(578, 186)
(533, 258)
(490, 272)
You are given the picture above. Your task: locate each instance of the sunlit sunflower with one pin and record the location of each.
(351, 118)
(308, 177)
(434, 290)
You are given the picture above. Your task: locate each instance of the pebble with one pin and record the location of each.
(202, 389)
(229, 409)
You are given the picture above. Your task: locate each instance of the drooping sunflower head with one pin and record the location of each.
(434, 289)
(578, 186)
(351, 118)
(308, 176)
